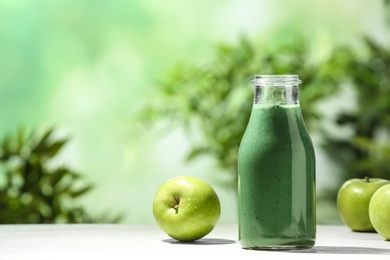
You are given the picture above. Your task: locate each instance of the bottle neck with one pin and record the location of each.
(276, 89)
(276, 95)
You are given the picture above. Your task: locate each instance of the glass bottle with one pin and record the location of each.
(276, 170)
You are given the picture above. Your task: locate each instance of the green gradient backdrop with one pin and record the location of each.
(84, 66)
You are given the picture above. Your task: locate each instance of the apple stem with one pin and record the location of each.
(176, 208)
(367, 179)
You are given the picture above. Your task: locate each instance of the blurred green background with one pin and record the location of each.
(103, 101)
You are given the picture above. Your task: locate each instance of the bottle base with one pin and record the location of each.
(278, 244)
(278, 247)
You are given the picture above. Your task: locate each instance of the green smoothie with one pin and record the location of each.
(276, 167)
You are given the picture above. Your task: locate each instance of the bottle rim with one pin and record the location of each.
(276, 80)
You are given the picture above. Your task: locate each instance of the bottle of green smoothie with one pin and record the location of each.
(276, 169)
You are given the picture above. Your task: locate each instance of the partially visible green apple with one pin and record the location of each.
(186, 208)
(353, 199)
(379, 211)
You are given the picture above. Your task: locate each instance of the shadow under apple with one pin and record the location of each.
(203, 241)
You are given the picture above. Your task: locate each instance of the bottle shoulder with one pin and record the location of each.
(276, 124)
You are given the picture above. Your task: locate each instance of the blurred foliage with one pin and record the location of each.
(366, 152)
(215, 99)
(33, 189)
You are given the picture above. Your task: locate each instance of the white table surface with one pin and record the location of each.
(120, 241)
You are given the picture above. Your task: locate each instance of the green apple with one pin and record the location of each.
(186, 208)
(353, 200)
(379, 211)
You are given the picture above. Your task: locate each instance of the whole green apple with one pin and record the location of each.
(186, 208)
(353, 200)
(379, 211)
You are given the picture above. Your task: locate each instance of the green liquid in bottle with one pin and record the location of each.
(276, 167)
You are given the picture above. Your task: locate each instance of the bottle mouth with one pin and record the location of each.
(276, 80)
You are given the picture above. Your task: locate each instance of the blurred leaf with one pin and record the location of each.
(79, 192)
(55, 147)
(40, 146)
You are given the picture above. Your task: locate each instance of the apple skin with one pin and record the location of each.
(379, 211)
(186, 208)
(353, 200)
